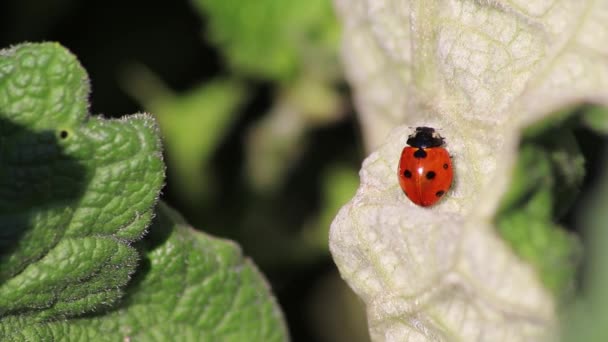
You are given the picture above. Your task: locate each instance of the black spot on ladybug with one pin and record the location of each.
(420, 153)
(430, 175)
(407, 174)
(445, 166)
(439, 193)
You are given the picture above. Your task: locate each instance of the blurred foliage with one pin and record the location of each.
(274, 39)
(264, 234)
(546, 181)
(293, 43)
(596, 118)
(277, 141)
(339, 185)
(192, 125)
(586, 318)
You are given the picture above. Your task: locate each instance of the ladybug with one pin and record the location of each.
(425, 168)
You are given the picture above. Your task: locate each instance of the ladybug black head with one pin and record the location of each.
(425, 137)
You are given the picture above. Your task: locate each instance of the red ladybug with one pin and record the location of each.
(425, 168)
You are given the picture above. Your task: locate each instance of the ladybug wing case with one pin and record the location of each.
(425, 175)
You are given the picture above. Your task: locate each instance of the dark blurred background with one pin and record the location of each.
(262, 155)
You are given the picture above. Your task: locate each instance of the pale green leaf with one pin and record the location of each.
(480, 72)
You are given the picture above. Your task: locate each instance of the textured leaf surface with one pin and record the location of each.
(75, 190)
(480, 72)
(194, 288)
(77, 194)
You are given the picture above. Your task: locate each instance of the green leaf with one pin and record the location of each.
(77, 194)
(75, 190)
(193, 288)
(273, 38)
